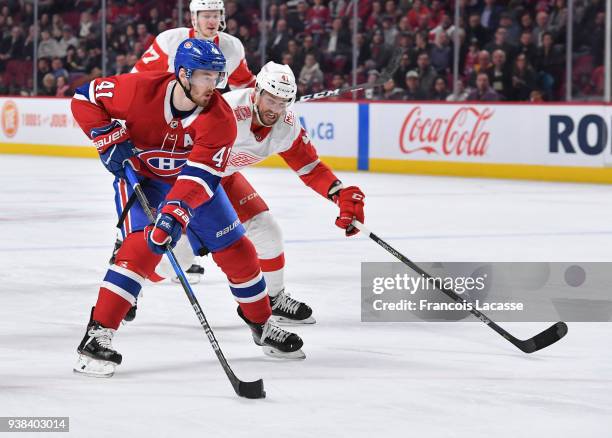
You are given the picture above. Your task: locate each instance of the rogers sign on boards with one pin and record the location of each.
(464, 133)
(588, 134)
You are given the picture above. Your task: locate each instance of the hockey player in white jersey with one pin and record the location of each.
(267, 125)
(208, 22)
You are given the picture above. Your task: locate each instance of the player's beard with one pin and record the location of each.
(270, 117)
(203, 99)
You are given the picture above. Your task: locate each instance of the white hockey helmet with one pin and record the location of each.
(196, 6)
(278, 80)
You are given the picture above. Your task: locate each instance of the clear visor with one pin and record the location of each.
(203, 78)
(277, 104)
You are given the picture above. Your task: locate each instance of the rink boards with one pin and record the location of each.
(567, 142)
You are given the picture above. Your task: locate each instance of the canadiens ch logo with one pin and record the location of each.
(164, 163)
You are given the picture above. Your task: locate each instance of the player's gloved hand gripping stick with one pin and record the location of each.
(537, 342)
(243, 389)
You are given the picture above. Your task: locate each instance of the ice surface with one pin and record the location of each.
(388, 380)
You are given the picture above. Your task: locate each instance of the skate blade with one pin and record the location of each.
(277, 354)
(89, 366)
(191, 278)
(281, 320)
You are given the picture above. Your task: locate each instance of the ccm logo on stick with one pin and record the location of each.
(591, 134)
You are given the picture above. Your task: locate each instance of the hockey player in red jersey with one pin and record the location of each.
(208, 22)
(178, 134)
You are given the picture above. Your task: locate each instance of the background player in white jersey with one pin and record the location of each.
(208, 22)
(267, 126)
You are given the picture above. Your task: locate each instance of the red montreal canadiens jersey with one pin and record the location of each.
(286, 138)
(192, 151)
(160, 55)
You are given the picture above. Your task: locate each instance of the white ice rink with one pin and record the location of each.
(385, 380)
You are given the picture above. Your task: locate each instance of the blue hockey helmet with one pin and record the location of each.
(194, 54)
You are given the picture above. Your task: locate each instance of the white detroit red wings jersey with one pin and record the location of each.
(286, 138)
(160, 55)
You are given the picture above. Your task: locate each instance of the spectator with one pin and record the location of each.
(298, 55)
(279, 41)
(536, 96)
(558, 19)
(523, 78)
(499, 75)
(317, 18)
(390, 31)
(541, 27)
(475, 29)
(441, 54)
(48, 85)
(373, 92)
(379, 51)
(86, 24)
(422, 43)
(12, 46)
(67, 40)
(404, 67)
(427, 74)
(77, 61)
(311, 71)
(460, 94)
(338, 82)
(499, 43)
(375, 18)
(391, 12)
(391, 92)
(471, 57)
(48, 47)
(62, 89)
(418, 9)
(298, 18)
(121, 65)
(549, 65)
(413, 89)
(308, 46)
(232, 28)
(483, 91)
(440, 89)
(526, 46)
(57, 68)
(144, 37)
(491, 13)
(483, 64)
(339, 41)
(153, 20)
(513, 31)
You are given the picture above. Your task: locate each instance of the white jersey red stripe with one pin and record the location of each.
(160, 55)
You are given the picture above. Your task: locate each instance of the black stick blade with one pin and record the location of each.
(542, 340)
(251, 389)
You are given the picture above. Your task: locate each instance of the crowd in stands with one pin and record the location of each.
(509, 49)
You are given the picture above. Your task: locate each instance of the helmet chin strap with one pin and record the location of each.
(186, 91)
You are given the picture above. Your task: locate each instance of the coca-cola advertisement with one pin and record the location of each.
(464, 133)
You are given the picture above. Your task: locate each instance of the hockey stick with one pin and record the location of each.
(243, 389)
(539, 341)
(384, 77)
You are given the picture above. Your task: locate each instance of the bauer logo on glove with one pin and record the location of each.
(170, 224)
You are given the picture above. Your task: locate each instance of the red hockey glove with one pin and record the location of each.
(350, 201)
(171, 222)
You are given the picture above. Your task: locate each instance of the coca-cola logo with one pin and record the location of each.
(464, 133)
